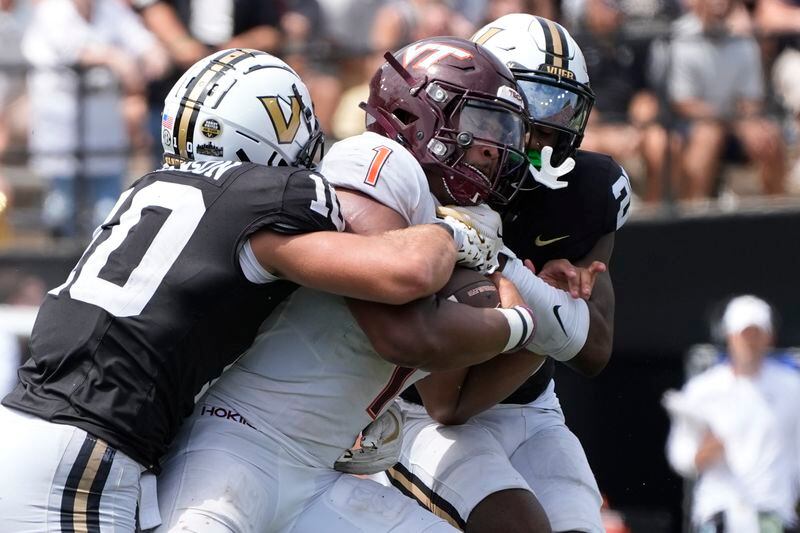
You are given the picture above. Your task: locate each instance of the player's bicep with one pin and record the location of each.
(365, 216)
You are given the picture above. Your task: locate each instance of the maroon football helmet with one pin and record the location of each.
(453, 105)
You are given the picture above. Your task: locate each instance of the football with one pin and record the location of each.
(469, 287)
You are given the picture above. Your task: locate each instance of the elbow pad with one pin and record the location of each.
(562, 322)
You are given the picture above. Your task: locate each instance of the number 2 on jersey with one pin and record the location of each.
(374, 170)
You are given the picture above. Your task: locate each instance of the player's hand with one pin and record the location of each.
(710, 451)
(478, 232)
(577, 281)
(548, 174)
(506, 290)
(381, 442)
(510, 298)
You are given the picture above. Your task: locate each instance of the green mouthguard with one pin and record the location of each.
(535, 158)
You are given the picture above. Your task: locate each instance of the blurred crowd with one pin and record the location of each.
(686, 89)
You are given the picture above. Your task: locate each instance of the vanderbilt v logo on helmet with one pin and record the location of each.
(285, 129)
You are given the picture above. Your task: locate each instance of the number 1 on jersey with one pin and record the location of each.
(382, 153)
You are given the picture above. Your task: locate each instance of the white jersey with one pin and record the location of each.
(312, 374)
(384, 170)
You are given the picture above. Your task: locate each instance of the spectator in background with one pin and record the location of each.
(85, 54)
(495, 9)
(191, 29)
(400, 22)
(736, 429)
(346, 25)
(716, 87)
(11, 94)
(781, 19)
(623, 122)
(396, 24)
(307, 49)
(785, 78)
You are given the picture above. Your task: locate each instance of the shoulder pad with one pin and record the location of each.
(384, 170)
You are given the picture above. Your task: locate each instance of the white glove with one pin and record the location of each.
(548, 175)
(478, 233)
(381, 442)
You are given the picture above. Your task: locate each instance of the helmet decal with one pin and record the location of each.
(285, 129)
(194, 95)
(556, 49)
(485, 35)
(436, 52)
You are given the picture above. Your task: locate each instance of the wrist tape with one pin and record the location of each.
(522, 326)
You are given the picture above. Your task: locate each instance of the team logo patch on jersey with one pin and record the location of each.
(210, 149)
(211, 128)
(286, 129)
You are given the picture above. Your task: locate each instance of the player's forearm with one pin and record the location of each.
(596, 351)
(394, 267)
(433, 334)
(421, 257)
(481, 387)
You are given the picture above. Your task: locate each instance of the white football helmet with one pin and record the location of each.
(240, 105)
(551, 73)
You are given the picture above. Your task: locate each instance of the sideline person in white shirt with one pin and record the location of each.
(736, 429)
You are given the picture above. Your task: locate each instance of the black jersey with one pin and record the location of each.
(566, 223)
(545, 224)
(158, 304)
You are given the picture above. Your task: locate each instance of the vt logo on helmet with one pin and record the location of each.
(551, 74)
(456, 108)
(240, 105)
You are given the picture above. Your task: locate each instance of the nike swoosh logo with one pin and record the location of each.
(544, 242)
(555, 312)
